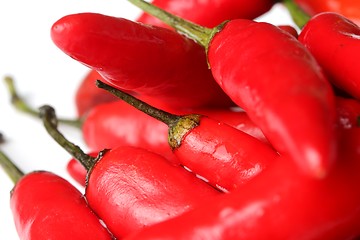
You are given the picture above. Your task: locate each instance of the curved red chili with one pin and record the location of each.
(46, 206)
(338, 55)
(348, 8)
(281, 203)
(131, 188)
(151, 61)
(87, 95)
(209, 13)
(152, 191)
(277, 82)
(310, 141)
(225, 156)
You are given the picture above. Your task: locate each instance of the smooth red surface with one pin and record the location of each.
(46, 206)
(209, 13)
(131, 188)
(151, 61)
(226, 157)
(338, 54)
(347, 8)
(279, 84)
(281, 203)
(87, 95)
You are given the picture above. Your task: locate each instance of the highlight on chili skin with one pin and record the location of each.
(198, 120)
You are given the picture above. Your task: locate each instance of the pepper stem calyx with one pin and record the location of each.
(178, 125)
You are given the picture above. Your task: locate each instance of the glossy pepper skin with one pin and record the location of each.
(46, 206)
(338, 55)
(132, 188)
(256, 64)
(113, 124)
(348, 8)
(226, 157)
(151, 61)
(281, 203)
(251, 72)
(209, 13)
(87, 95)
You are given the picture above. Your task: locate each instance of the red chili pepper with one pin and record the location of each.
(209, 13)
(338, 55)
(225, 156)
(131, 188)
(151, 61)
(281, 203)
(46, 206)
(152, 191)
(87, 95)
(348, 8)
(276, 81)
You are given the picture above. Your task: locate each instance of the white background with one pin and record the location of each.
(45, 75)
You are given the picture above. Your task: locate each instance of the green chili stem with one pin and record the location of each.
(161, 115)
(200, 34)
(10, 168)
(47, 114)
(20, 104)
(298, 15)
